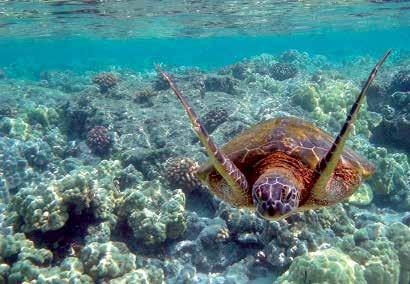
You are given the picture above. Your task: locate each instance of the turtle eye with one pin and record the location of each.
(285, 193)
(289, 196)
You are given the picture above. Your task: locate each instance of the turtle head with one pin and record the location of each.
(275, 196)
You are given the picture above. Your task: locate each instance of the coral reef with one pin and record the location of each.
(48, 204)
(15, 168)
(141, 215)
(376, 255)
(105, 80)
(282, 71)
(390, 182)
(144, 97)
(400, 82)
(326, 266)
(180, 173)
(153, 214)
(65, 81)
(239, 70)
(399, 234)
(215, 117)
(107, 260)
(99, 140)
(363, 196)
(219, 83)
(8, 111)
(21, 262)
(393, 102)
(160, 84)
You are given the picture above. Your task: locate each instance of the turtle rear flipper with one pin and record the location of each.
(328, 163)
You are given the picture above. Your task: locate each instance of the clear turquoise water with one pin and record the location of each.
(92, 35)
(81, 53)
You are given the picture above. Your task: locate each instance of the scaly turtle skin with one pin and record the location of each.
(282, 165)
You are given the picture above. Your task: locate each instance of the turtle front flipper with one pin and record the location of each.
(328, 163)
(237, 192)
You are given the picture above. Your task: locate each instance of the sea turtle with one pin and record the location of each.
(283, 165)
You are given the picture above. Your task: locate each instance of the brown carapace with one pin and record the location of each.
(283, 165)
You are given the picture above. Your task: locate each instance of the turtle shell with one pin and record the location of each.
(294, 137)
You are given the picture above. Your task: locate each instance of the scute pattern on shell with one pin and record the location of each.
(295, 137)
(295, 140)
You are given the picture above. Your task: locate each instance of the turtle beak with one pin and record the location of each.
(272, 212)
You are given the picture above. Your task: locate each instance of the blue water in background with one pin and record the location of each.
(27, 57)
